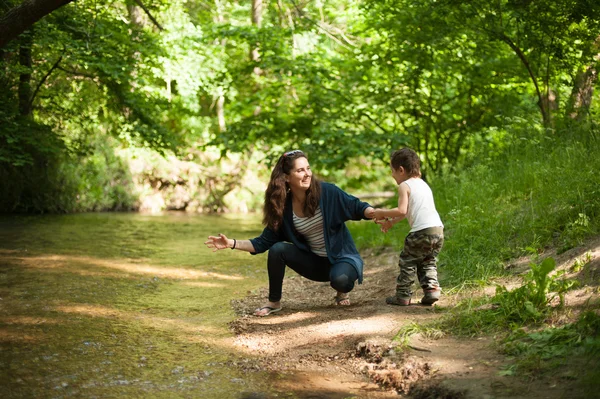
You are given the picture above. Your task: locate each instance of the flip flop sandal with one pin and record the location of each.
(269, 308)
(339, 298)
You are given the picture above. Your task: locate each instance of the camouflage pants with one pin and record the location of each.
(419, 257)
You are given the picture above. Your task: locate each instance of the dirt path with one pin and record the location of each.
(318, 350)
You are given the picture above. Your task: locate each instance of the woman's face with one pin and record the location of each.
(300, 175)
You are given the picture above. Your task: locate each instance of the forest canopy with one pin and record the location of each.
(103, 103)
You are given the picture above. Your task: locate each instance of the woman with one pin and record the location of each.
(304, 230)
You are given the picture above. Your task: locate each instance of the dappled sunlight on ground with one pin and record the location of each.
(19, 336)
(164, 323)
(285, 319)
(184, 329)
(308, 334)
(90, 310)
(69, 262)
(28, 320)
(203, 284)
(9, 251)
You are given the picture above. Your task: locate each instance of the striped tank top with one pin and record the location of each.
(312, 229)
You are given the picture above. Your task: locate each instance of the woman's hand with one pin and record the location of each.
(378, 214)
(217, 243)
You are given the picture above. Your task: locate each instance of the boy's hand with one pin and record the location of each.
(386, 224)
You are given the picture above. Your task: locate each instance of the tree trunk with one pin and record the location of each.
(583, 88)
(257, 6)
(221, 113)
(550, 106)
(25, 45)
(20, 18)
(257, 22)
(137, 19)
(254, 53)
(136, 15)
(7, 99)
(582, 93)
(3, 71)
(220, 105)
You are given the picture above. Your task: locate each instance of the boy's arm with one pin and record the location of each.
(403, 194)
(399, 213)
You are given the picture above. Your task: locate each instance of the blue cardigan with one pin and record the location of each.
(336, 208)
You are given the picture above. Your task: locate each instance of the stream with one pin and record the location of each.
(123, 304)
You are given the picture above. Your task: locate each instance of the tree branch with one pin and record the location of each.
(323, 29)
(18, 19)
(143, 7)
(43, 80)
(525, 62)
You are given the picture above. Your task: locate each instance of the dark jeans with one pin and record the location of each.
(342, 275)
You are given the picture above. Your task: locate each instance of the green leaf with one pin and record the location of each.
(547, 266)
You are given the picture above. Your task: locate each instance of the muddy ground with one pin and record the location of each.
(318, 350)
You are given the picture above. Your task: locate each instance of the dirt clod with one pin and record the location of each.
(404, 376)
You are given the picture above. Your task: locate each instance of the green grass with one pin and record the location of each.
(537, 194)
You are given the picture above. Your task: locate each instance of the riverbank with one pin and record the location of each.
(318, 350)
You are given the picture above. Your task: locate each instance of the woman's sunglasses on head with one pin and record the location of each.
(293, 152)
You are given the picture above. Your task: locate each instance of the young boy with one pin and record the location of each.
(426, 237)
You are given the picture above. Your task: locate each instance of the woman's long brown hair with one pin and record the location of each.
(278, 190)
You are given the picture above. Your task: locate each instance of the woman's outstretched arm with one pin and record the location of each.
(222, 242)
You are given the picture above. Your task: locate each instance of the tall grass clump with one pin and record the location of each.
(541, 190)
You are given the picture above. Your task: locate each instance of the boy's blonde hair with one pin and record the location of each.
(408, 159)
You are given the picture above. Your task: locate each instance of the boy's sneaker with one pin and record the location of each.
(431, 296)
(398, 300)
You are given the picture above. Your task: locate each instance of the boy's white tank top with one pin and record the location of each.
(421, 208)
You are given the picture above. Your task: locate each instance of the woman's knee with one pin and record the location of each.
(342, 283)
(278, 250)
(343, 278)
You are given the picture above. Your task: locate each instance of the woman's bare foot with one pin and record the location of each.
(267, 309)
(342, 299)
